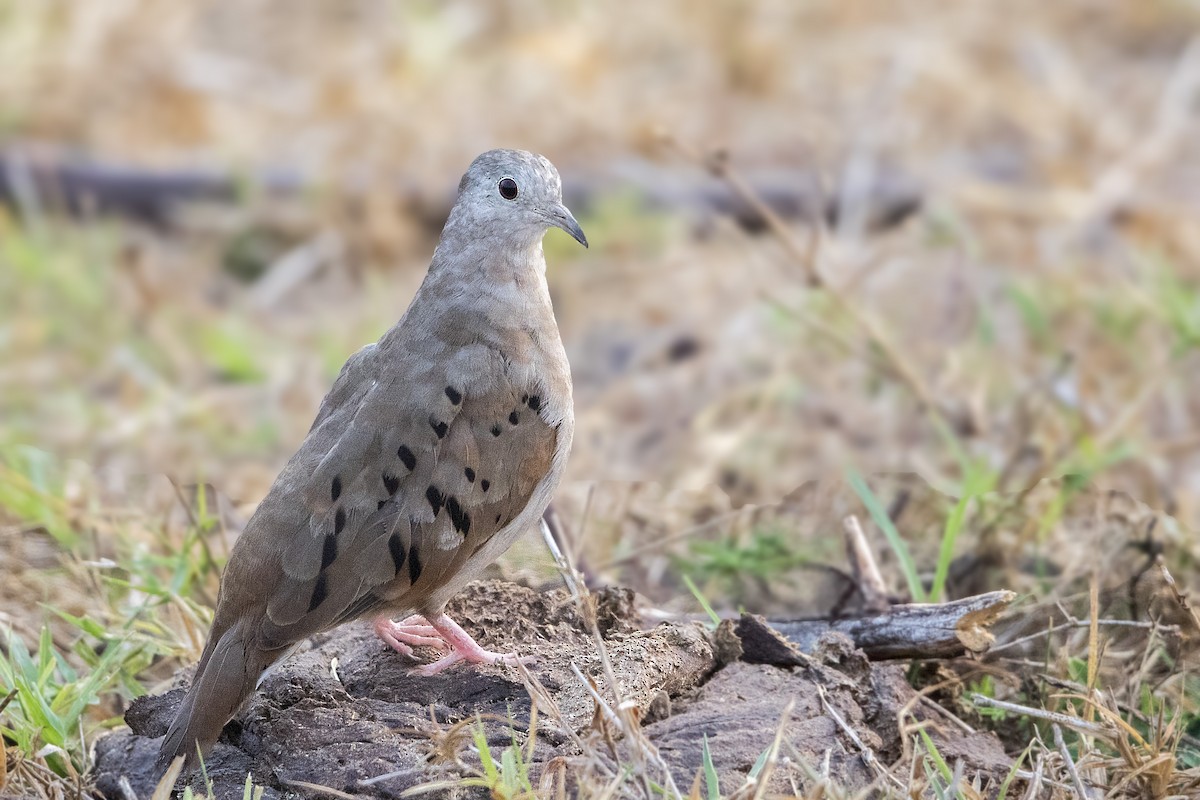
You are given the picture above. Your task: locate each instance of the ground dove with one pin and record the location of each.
(434, 450)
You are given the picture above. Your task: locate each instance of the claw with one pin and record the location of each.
(404, 635)
(444, 634)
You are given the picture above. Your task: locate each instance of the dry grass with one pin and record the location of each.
(1037, 319)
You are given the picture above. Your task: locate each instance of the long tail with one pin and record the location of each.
(224, 680)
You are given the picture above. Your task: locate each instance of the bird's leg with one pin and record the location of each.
(414, 630)
(464, 648)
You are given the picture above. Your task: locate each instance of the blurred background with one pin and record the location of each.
(974, 304)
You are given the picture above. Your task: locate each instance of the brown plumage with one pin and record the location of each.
(434, 450)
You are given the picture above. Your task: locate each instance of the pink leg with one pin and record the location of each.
(464, 648)
(414, 630)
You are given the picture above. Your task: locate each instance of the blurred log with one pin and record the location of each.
(79, 186)
(882, 200)
(916, 630)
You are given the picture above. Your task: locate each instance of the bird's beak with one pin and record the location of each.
(560, 217)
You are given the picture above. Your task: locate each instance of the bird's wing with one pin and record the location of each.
(415, 469)
(351, 384)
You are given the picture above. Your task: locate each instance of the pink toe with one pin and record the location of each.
(444, 634)
(442, 664)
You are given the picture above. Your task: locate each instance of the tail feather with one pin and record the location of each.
(224, 681)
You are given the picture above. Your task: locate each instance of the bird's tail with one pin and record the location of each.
(224, 680)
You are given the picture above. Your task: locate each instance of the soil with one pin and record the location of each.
(345, 710)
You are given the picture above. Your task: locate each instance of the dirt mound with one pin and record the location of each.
(346, 710)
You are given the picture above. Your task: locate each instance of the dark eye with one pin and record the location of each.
(508, 188)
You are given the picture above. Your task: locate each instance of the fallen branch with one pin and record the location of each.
(916, 630)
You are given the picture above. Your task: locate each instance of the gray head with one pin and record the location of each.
(516, 192)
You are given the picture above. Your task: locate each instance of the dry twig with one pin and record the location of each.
(1069, 762)
(863, 567)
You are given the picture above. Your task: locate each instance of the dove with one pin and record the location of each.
(435, 449)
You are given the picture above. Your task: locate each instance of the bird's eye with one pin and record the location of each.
(508, 188)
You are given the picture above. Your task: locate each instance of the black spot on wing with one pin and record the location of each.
(469, 474)
(414, 567)
(329, 551)
(514, 418)
(407, 458)
(485, 484)
(339, 521)
(439, 427)
(380, 504)
(391, 483)
(435, 499)
(454, 394)
(496, 429)
(318, 595)
(335, 490)
(534, 403)
(458, 515)
(396, 548)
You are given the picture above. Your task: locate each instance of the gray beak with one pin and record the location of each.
(560, 217)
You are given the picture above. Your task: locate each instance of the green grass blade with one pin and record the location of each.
(21, 658)
(509, 772)
(98, 680)
(490, 770)
(711, 783)
(879, 515)
(89, 626)
(938, 761)
(708, 609)
(950, 532)
(760, 762)
(1012, 773)
(978, 481)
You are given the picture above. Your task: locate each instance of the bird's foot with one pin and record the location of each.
(462, 648)
(414, 631)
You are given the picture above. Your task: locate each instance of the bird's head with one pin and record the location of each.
(516, 193)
